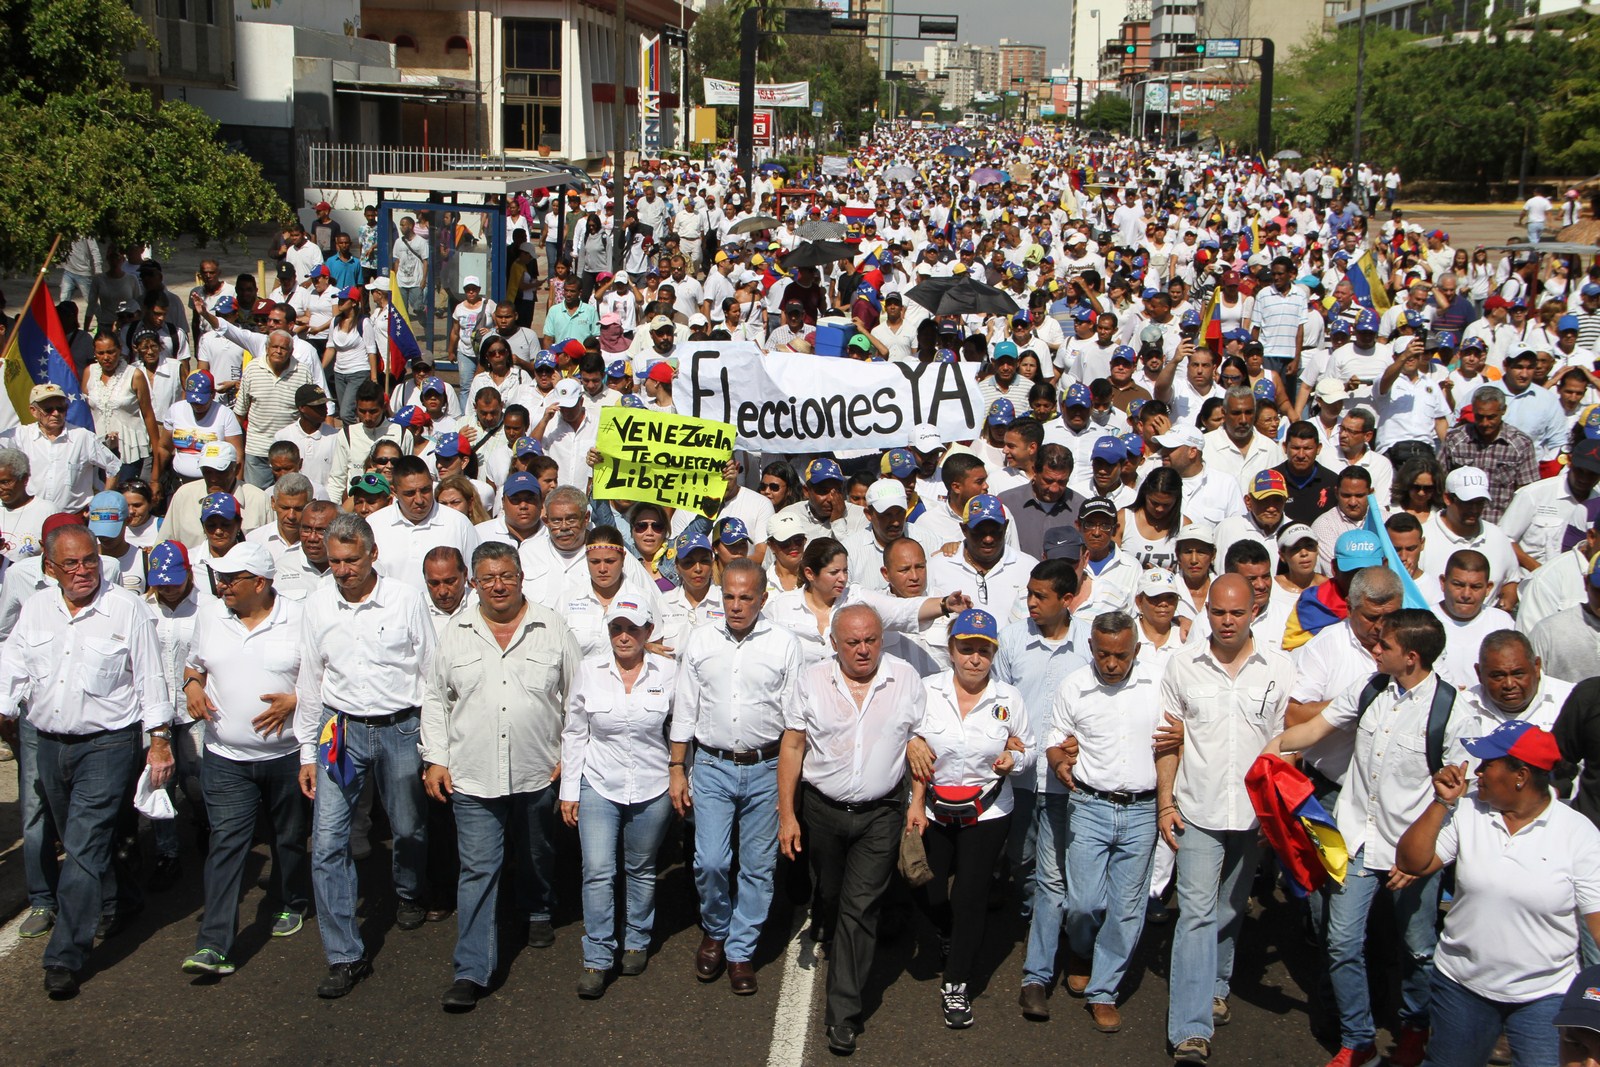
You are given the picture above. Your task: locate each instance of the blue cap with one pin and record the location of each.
(1081, 313)
(1236, 334)
(527, 446)
(219, 505)
(1002, 413)
(448, 446)
(543, 360)
(1021, 319)
(1415, 320)
(1341, 256)
(984, 508)
(1265, 390)
(1356, 549)
(1133, 443)
(1124, 353)
(900, 463)
(1446, 339)
(1476, 343)
(631, 400)
(1077, 396)
(690, 542)
(199, 387)
(522, 482)
(433, 384)
(1109, 450)
(1004, 350)
(1519, 739)
(1367, 320)
(1189, 320)
(1134, 407)
(1148, 293)
(108, 513)
(617, 368)
(731, 531)
(974, 622)
(1570, 322)
(225, 306)
(823, 470)
(1591, 423)
(1589, 289)
(168, 565)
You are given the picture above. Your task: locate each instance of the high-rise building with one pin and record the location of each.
(1020, 63)
(1094, 22)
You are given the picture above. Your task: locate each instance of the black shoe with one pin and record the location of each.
(114, 924)
(463, 995)
(165, 874)
(841, 1040)
(410, 915)
(342, 977)
(59, 983)
(541, 934)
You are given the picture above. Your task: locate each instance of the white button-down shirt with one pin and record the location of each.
(1002, 591)
(790, 611)
(1325, 666)
(615, 738)
(1212, 496)
(363, 658)
(1227, 722)
(679, 616)
(493, 716)
(241, 666)
(966, 747)
(1485, 714)
(97, 670)
(1388, 784)
(1458, 663)
(1223, 456)
(1439, 542)
(734, 694)
(856, 754)
(402, 543)
(1114, 726)
(1537, 516)
(64, 468)
(175, 630)
(585, 615)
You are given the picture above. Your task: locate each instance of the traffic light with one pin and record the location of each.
(1190, 48)
(1129, 49)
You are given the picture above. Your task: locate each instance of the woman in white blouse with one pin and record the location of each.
(964, 813)
(1527, 879)
(605, 578)
(614, 788)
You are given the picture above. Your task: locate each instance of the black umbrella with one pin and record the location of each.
(962, 296)
(817, 254)
(956, 151)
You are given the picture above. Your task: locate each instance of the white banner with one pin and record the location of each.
(789, 94)
(835, 166)
(788, 402)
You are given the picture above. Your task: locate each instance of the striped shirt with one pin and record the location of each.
(266, 402)
(1277, 318)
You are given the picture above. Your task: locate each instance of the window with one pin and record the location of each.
(458, 43)
(531, 114)
(533, 44)
(405, 40)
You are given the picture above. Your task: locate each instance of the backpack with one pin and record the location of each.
(1444, 699)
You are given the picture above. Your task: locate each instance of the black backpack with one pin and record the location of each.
(1444, 699)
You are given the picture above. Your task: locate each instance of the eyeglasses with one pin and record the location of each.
(73, 566)
(385, 461)
(1421, 486)
(648, 524)
(217, 578)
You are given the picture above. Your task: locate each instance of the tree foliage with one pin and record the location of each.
(1108, 111)
(85, 153)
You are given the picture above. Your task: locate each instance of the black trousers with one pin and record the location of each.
(853, 854)
(959, 909)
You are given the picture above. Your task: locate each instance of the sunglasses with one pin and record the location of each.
(648, 524)
(773, 487)
(375, 483)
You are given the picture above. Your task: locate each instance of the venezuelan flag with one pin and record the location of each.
(1320, 606)
(1325, 837)
(402, 342)
(331, 753)
(36, 353)
(1367, 284)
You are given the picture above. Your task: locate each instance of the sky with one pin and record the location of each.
(1029, 21)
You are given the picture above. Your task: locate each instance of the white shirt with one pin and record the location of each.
(241, 665)
(856, 754)
(63, 468)
(569, 446)
(363, 658)
(97, 670)
(1439, 542)
(23, 528)
(679, 616)
(1002, 591)
(1223, 456)
(1388, 784)
(1537, 516)
(615, 738)
(316, 450)
(789, 610)
(402, 544)
(1325, 666)
(1212, 496)
(584, 614)
(733, 694)
(1113, 725)
(966, 747)
(1555, 587)
(1457, 664)
(1511, 935)
(493, 715)
(1227, 722)
(191, 435)
(175, 631)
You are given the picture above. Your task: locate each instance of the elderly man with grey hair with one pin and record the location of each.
(1236, 447)
(22, 515)
(290, 497)
(551, 565)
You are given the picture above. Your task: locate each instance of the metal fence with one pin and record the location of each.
(350, 166)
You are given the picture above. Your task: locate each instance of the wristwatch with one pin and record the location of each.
(163, 732)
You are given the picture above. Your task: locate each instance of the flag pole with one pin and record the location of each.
(38, 280)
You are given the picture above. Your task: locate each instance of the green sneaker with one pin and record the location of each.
(39, 922)
(287, 924)
(207, 961)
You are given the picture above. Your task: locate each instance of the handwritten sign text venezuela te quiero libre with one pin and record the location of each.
(672, 460)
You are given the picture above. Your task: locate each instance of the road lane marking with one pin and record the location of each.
(791, 1026)
(10, 937)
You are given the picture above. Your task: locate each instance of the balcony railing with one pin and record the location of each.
(350, 166)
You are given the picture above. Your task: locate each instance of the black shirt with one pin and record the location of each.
(1309, 500)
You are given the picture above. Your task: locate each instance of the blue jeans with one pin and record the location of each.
(389, 754)
(603, 825)
(188, 748)
(1049, 904)
(258, 472)
(1535, 232)
(84, 786)
(1023, 842)
(1415, 908)
(725, 795)
(1110, 849)
(485, 828)
(41, 870)
(1214, 872)
(236, 791)
(414, 300)
(1468, 1026)
(73, 284)
(344, 393)
(466, 367)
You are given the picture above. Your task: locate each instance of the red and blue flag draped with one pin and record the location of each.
(38, 353)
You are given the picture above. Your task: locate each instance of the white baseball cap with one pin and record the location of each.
(247, 557)
(470, 280)
(1156, 582)
(1467, 483)
(782, 526)
(218, 456)
(1197, 531)
(569, 393)
(886, 493)
(926, 438)
(632, 608)
(1182, 436)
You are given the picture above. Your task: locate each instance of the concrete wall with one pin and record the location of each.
(329, 16)
(1289, 23)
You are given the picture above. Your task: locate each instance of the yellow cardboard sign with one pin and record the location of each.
(662, 457)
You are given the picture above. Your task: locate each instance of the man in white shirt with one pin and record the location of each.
(567, 431)
(22, 515)
(1237, 447)
(1467, 620)
(415, 523)
(1208, 496)
(64, 459)
(736, 682)
(289, 500)
(311, 434)
(1512, 684)
(990, 570)
(1538, 514)
(1460, 524)
(495, 698)
(1535, 210)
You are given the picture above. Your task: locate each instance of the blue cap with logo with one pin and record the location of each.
(1190, 320)
(731, 531)
(1446, 339)
(617, 368)
(527, 446)
(1367, 321)
(1133, 443)
(1356, 549)
(1004, 350)
(631, 400)
(522, 482)
(449, 446)
(689, 542)
(823, 470)
(199, 387)
(433, 384)
(1109, 450)
(168, 565)
(108, 513)
(1265, 390)
(1077, 396)
(899, 462)
(544, 360)
(1001, 413)
(1236, 334)
(219, 506)
(984, 508)
(975, 622)
(1082, 313)
(225, 306)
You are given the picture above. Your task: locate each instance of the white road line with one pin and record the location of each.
(791, 1026)
(9, 939)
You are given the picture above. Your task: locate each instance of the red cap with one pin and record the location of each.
(661, 372)
(58, 520)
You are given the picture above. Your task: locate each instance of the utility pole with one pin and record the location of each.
(749, 37)
(1361, 78)
(1264, 113)
(619, 147)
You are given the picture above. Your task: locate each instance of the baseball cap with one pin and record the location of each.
(470, 281)
(371, 483)
(568, 393)
(543, 360)
(421, 359)
(611, 318)
(199, 387)
(448, 446)
(1496, 301)
(690, 542)
(247, 557)
(1124, 354)
(1236, 334)
(1063, 542)
(731, 531)
(1001, 413)
(311, 394)
(218, 456)
(1004, 350)
(1151, 335)
(1181, 436)
(975, 622)
(1082, 313)
(1197, 531)
(898, 462)
(1585, 455)
(1190, 320)
(108, 513)
(660, 322)
(1580, 1005)
(1294, 533)
(698, 319)
(1264, 390)
(319, 271)
(1589, 289)
(1077, 396)
(1522, 354)
(432, 384)
(219, 505)
(1569, 322)
(633, 609)
(1518, 739)
(1132, 443)
(886, 493)
(45, 391)
(1109, 449)
(631, 400)
(823, 470)
(782, 527)
(1367, 321)
(1356, 549)
(412, 417)
(925, 438)
(1268, 483)
(522, 482)
(1330, 390)
(984, 508)
(168, 565)
(860, 342)
(527, 446)
(226, 305)
(660, 372)
(1156, 582)
(380, 283)
(1097, 507)
(285, 270)
(1467, 483)
(618, 368)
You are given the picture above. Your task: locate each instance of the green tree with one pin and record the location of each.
(1108, 111)
(1568, 135)
(85, 153)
